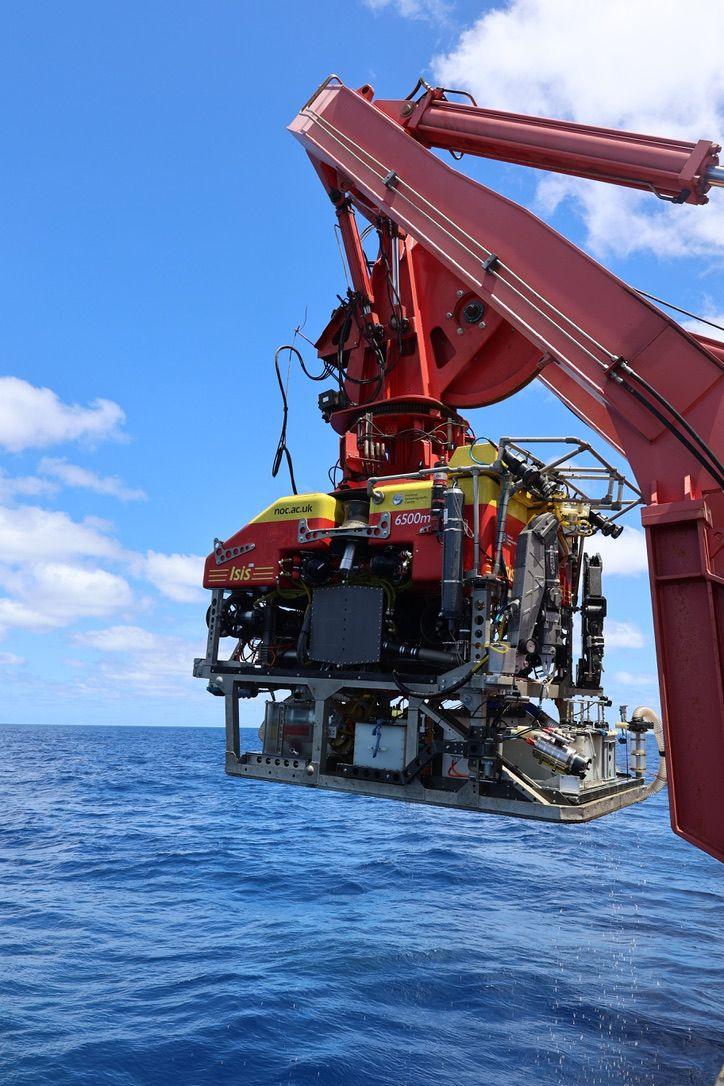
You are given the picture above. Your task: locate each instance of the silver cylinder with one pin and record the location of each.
(452, 553)
(715, 176)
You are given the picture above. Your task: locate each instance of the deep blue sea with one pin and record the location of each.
(161, 923)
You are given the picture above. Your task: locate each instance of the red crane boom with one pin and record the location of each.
(674, 169)
(653, 390)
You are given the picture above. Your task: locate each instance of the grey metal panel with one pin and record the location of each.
(295, 772)
(346, 625)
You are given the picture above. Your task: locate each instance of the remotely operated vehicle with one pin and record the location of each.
(432, 627)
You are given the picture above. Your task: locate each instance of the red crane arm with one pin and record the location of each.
(674, 169)
(646, 385)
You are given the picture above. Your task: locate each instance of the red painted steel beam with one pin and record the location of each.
(583, 322)
(674, 169)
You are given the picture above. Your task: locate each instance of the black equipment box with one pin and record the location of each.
(346, 626)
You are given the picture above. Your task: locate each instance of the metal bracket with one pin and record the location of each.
(375, 531)
(212, 640)
(223, 554)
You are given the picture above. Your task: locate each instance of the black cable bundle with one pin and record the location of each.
(282, 447)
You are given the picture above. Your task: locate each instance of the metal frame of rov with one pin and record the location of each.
(464, 729)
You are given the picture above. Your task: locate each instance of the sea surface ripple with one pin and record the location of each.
(162, 923)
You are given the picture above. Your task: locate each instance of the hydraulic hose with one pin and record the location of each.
(699, 450)
(303, 638)
(446, 684)
(679, 418)
(642, 712)
(503, 501)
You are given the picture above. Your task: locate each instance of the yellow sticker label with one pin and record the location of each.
(298, 506)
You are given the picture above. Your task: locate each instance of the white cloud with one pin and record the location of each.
(75, 476)
(177, 576)
(118, 639)
(428, 10)
(75, 590)
(27, 486)
(32, 417)
(54, 594)
(18, 614)
(157, 664)
(50, 566)
(623, 635)
(9, 659)
(49, 569)
(29, 533)
(637, 66)
(56, 570)
(625, 555)
(644, 679)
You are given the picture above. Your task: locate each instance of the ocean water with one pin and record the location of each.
(161, 923)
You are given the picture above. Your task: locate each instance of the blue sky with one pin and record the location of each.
(162, 233)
